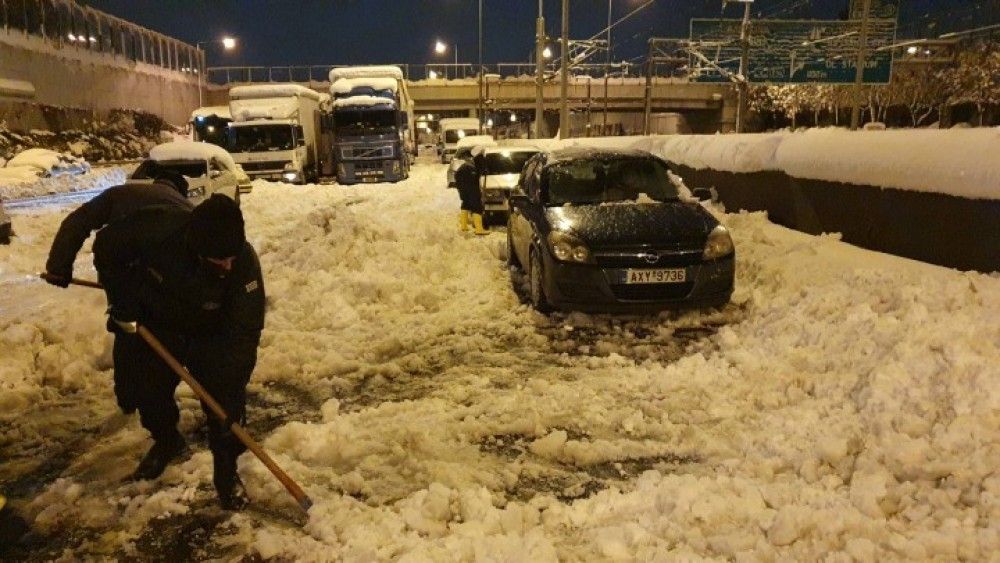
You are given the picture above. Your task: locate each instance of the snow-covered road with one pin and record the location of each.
(845, 402)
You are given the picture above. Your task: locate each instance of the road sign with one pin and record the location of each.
(794, 51)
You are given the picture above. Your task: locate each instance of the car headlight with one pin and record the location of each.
(567, 248)
(290, 176)
(719, 244)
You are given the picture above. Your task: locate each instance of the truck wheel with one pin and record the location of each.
(535, 286)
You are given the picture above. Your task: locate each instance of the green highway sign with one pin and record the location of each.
(794, 51)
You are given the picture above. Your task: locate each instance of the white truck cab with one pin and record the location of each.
(453, 130)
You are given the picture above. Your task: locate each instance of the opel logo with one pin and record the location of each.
(650, 258)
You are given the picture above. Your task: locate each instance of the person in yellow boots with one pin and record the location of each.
(467, 181)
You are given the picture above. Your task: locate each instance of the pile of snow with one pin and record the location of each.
(845, 406)
(363, 101)
(956, 162)
(351, 72)
(31, 185)
(31, 165)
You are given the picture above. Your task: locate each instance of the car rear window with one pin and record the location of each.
(507, 162)
(607, 180)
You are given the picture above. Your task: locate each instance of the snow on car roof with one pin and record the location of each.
(283, 90)
(510, 148)
(345, 85)
(366, 72)
(474, 140)
(209, 111)
(190, 150)
(363, 101)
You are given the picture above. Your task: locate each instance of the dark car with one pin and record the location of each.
(6, 230)
(606, 231)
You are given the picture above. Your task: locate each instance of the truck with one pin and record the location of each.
(274, 134)
(372, 121)
(210, 124)
(453, 130)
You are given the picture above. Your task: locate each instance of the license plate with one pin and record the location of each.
(369, 179)
(674, 275)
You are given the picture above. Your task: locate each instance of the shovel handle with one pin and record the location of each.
(73, 281)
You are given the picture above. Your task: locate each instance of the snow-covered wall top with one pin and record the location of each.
(258, 91)
(363, 101)
(345, 85)
(960, 162)
(393, 72)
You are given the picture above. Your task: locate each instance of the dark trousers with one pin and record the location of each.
(144, 382)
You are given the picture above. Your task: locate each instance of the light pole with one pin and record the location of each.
(540, 49)
(228, 43)
(607, 70)
(564, 87)
(481, 71)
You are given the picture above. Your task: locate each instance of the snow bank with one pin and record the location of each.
(393, 72)
(31, 185)
(261, 91)
(959, 162)
(363, 101)
(49, 163)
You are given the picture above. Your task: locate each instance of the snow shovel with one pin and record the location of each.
(296, 491)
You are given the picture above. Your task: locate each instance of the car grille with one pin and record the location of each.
(652, 292)
(641, 258)
(259, 166)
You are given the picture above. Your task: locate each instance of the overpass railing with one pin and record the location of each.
(68, 24)
(445, 71)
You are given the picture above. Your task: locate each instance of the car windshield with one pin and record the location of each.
(261, 138)
(354, 122)
(590, 181)
(507, 162)
(453, 135)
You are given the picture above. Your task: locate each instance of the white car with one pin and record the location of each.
(501, 171)
(208, 168)
(463, 153)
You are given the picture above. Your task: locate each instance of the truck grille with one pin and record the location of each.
(362, 152)
(260, 166)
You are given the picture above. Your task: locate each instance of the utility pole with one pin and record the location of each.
(859, 74)
(564, 74)
(481, 71)
(539, 71)
(607, 70)
(743, 86)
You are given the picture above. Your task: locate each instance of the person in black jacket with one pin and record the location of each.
(467, 182)
(194, 281)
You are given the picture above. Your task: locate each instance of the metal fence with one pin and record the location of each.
(67, 23)
(444, 71)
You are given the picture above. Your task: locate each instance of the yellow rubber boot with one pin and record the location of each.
(463, 221)
(477, 221)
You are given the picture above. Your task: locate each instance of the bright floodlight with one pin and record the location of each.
(432, 75)
(489, 122)
(228, 43)
(547, 53)
(912, 50)
(440, 47)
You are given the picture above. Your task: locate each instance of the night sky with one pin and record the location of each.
(301, 32)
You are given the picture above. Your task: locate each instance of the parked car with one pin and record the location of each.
(208, 169)
(501, 169)
(606, 231)
(6, 229)
(463, 153)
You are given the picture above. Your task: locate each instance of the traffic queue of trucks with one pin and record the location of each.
(362, 131)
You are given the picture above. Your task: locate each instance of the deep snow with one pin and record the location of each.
(845, 405)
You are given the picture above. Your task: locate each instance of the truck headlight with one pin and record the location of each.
(719, 244)
(567, 248)
(290, 176)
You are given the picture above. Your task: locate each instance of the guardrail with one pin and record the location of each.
(449, 71)
(68, 24)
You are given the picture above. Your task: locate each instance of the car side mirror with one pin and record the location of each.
(704, 194)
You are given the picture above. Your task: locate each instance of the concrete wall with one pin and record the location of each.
(66, 75)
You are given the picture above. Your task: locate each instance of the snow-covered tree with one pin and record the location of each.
(975, 78)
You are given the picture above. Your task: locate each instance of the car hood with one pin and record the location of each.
(634, 224)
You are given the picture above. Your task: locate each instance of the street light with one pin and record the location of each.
(440, 47)
(432, 75)
(228, 43)
(547, 52)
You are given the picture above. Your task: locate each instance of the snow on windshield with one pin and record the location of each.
(587, 181)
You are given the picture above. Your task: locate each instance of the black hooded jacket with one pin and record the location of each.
(111, 205)
(152, 275)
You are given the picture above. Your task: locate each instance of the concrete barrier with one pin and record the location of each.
(941, 229)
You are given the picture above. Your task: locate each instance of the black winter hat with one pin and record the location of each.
(175, 179)
(216, 228)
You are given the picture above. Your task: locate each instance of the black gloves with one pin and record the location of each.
(58, 280)
(121, 321)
